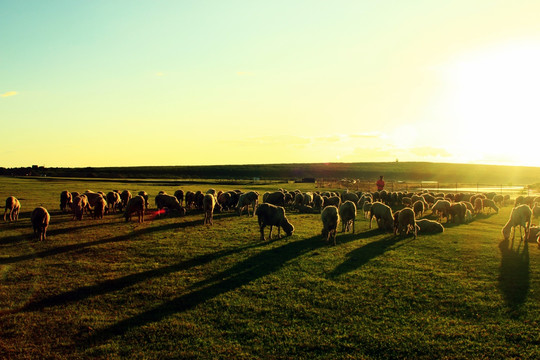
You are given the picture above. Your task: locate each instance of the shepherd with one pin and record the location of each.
(380, 184)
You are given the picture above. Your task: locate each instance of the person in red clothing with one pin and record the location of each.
(380, 184)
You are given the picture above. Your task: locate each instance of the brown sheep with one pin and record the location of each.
(125, 196)
(347, 213)
(40, 219)
(406, 222)
(100, 205)
(145, 197)
(78, 205)
(209, 202)
(65, 200)
(246, 199)
(14, 207)
(113, 201)
(135, 205)
(330, 219)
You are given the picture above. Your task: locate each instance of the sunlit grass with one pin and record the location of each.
(172, 287)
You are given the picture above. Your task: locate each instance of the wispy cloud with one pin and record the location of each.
(9, 93)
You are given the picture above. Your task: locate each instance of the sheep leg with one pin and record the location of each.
(261, 227)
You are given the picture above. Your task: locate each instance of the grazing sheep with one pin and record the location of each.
(418, 207)
(145, 197)
(190, 199)
(40, 219)
(93, 199)
(135, 205)
(276, 198)
(426, 226)
(78, 205)
(272, 215)
(170, 202)
(490, 204)
(113, 201)
(209, 202)
(430, 199)
(330, 219)
(246, 199)
(457, 212)
(179, 194)
(99, 208)
(383, 215)
(308, 199)
(478, 206)
(468, 216)
(366, 208)
(14, 207)
(125, 196)
(520, 216)
(65, 200)
(519, 200)
(199, 196)
(406, 222)
(442, 209)
(534, 232)
(499, 199)
(406, 201)
(317, 201)
(306, 209)
(347, 213)
(349, 196)
(298, 199)
(536, 210)
(332, 200)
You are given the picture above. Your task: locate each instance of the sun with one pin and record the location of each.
(493, 103)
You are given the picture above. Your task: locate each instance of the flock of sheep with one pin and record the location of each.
(334, 208)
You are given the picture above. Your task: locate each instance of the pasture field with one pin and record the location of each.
(175, 288)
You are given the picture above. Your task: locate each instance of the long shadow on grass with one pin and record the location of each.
(514, 276)
(120, 283)
(245, 272)
(74, 247)
(362, 255)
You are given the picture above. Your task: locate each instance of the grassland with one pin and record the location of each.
(174, 288)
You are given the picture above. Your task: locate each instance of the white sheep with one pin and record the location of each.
(347, 213)
(520, 216)
(40, 219)
(14, 207)
(383, 215)
(330, 219)
(272, 215)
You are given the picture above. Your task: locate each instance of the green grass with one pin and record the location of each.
(174, 288)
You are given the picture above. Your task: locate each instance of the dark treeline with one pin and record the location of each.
(406, 171)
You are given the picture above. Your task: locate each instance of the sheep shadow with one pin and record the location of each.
(514, 275)
(123, 282)
(362, 255)
(79, 246)
(253, 268)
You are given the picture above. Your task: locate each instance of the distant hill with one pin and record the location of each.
(392, 171)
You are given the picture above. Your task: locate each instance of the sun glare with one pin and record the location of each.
(493, 100)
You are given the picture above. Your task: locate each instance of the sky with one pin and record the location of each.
(207, 82)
